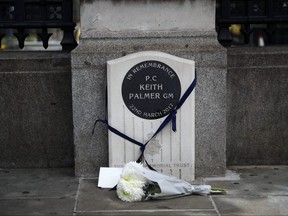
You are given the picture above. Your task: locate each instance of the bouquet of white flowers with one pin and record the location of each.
(138, 184)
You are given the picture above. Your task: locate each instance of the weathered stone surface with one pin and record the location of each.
(37, 191)
(251, 205)
(272, 56)
(35, 110)
(257, 116)
(146, 15)
(33, 183)
(255, 181)
(34, 61)
(89, 104)
(260, 190)
(210, 121)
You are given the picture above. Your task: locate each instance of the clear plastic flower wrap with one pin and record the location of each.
(138, 183)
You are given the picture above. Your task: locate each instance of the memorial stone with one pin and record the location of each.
(143, 88)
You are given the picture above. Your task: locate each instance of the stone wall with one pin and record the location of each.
(35, 110)
(257, 106)
(36, 127)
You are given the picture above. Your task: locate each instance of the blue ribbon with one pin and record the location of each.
(170, 117)
(174, 121)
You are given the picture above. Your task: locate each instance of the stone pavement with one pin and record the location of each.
(250, 191)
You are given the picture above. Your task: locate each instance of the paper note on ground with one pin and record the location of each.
(109, 177)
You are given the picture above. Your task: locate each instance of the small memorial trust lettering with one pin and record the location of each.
(164, 165)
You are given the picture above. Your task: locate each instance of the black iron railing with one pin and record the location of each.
(24, 15)
(269, 14)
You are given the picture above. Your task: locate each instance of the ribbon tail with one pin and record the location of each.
(104, 121)
(174, 127)
(149, 166)
(140, 159)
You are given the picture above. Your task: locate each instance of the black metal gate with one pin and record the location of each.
(24, 15)
(254, 20)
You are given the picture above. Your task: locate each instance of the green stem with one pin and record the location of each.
(218, 191)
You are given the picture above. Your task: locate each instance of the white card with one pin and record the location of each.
(109, 177)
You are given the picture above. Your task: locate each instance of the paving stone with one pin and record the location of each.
(95, 201)
(251, 205)
(52, 192)
(260, 181)
(27, 207)
(31, 183)
(36, 126)
(37, 191)
(148, 213)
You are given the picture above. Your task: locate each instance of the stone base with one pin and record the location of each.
(35, 110)
(257, 88)
(89, 93)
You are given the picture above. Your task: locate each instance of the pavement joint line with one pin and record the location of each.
(247, 195)
(260, 67)
(36, 197)
(76, 197)
(150, 210)
(89, 178)
(277, 195)
(243, 214)
(32, 72)
(213, 203)
(230, 175)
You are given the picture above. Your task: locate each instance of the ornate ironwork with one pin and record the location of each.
(248, 13)
(24, 15)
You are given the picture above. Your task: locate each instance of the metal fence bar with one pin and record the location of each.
(247, 12)
(23, 15)
(224, 35)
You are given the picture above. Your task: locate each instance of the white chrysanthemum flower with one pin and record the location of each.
(128, 193)
(131, 174)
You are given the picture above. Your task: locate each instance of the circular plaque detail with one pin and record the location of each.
(151, 89)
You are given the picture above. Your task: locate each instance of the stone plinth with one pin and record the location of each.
(103, 41)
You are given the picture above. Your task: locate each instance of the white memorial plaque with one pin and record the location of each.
(143, 88)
